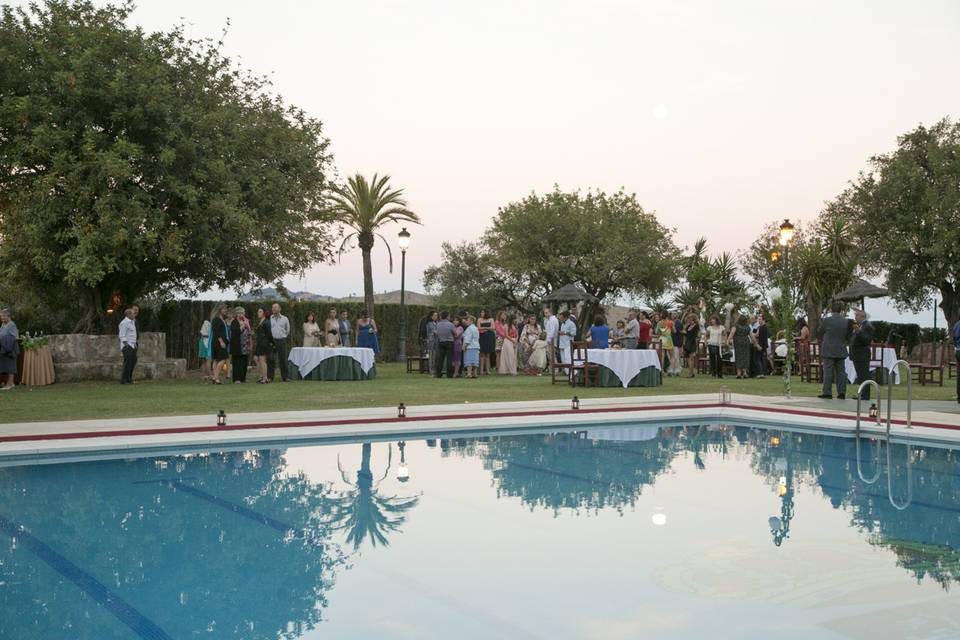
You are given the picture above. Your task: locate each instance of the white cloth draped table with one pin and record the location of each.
(889, 356)
(308, 358)
(625, 363)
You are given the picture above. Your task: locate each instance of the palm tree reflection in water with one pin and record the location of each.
(363, 511)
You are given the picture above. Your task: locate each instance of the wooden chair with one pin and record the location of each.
(419, 363)
(557, 365)
(952, 369)
(581, 371)
(811, 363)
(703, 358)
(932, 373)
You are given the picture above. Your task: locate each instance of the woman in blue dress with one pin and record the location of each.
(367, 333)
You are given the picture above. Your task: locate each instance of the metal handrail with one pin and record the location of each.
(893, 369)
(876, 476)
(909, 478)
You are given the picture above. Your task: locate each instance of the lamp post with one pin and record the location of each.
(403, 239)
(786, 312)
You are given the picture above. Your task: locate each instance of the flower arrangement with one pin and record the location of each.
(30, 342)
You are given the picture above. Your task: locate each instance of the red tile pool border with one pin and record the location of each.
(456, 416)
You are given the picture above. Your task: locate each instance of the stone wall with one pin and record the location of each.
(79, 357)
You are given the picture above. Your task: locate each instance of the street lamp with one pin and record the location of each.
(403, 239)
(786, 313)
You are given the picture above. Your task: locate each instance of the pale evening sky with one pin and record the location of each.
(721, 116)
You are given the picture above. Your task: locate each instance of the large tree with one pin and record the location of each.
(136, 163)
(365, 206)
(469, 273)
(907, 214)
(605, 243)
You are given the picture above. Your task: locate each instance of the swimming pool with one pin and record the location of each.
(618, 531)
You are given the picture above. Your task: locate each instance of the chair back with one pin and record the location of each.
(578, 352)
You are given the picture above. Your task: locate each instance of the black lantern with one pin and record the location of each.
(402, 411)
(575, 405)
(221, 418)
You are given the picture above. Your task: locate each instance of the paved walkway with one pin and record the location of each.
(933, 421)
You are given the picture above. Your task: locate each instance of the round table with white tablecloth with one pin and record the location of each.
(888, 357)
(332, 363)
(626, 367)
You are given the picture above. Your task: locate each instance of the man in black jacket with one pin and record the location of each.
(860, 341)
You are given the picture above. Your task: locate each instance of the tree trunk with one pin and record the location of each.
(367, 283)
(950, 304)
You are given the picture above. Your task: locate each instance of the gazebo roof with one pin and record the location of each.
(569, 293)
(861, 289)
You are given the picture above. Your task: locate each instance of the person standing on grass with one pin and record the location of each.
(446, 335)
(203, 349)
(239, 345)
(551, 327)
(599, 334)
(433, 346)
(643, 335)
(631, 335)
(665, 331)
(471, 347)
(457, 346)
(220, 336)
(677, 338)
(346, 340)
(262, 345)
(568, 331)
(9, 349)
(280, 331)
(367, 333)
(834, 333)
(860, 343)
(715, 332)
(128, 346)
(331, 329)
(691, 338)
(488, 340)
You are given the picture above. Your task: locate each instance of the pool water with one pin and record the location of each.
(697, 531)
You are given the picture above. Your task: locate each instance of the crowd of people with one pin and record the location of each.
(231, 342)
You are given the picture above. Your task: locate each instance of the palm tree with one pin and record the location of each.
(365, 207)
(364, 512)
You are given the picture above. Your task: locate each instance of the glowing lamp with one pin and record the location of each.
(786, 233)
(575, 404)
(403, 239)
(774, 441)
(221, 418)
(402, 411)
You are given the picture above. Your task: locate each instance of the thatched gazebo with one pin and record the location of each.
(860, 290)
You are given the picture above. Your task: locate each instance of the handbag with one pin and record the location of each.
(499, 343)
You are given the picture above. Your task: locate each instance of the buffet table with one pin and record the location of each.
(332, 363)
(626, 367)
(889, 356)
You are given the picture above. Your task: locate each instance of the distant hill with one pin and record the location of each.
(390, 297)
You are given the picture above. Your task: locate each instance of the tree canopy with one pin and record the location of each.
(605, 243)
(907, 214)
(136, 163)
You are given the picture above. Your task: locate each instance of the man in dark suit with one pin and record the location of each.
(834, 333)
(860, 341)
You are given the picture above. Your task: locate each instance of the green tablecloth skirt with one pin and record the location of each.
(649, 377)
(335, 368)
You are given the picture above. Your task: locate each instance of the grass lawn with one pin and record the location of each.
(392, 385)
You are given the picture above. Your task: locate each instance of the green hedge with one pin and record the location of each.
(180, 321)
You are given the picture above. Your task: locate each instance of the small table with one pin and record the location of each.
(37, 367)
(889, 356)
(332, 363)
(626, 367)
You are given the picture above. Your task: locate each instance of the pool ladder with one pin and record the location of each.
(876, 476)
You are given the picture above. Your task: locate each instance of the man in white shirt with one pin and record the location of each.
(280, 330)
(632, 333)
(128, 346)
(552, 326)
(568, 330)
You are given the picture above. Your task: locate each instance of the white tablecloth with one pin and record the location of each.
(626, 363)
(889, 357)
(307, 358)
